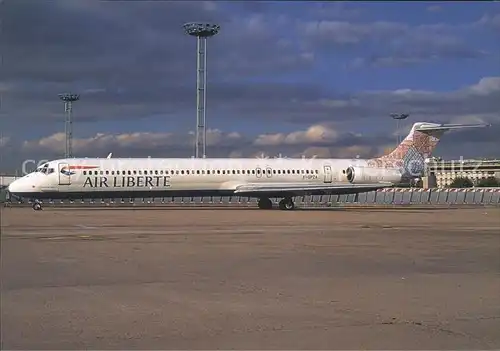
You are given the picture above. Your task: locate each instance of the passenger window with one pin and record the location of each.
(135, 172)
(84, 172)
(208, 171)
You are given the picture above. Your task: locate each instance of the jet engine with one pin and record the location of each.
(367, 175)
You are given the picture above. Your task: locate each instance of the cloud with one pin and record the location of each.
(478, 102)
(315, 141)
(4, 141)
(396, 44)
(320, 141)
(131, 142)
(420, 44)
(434, 8)
(490, 20)
(316, 134)
(343, 32)
(335, 10)
(132, 60)
(481, 99)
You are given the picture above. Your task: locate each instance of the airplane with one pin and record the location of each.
(90, 178)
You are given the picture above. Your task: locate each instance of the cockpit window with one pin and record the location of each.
(45, 169)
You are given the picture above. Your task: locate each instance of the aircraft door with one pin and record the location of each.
(64, 174)
(328, 174)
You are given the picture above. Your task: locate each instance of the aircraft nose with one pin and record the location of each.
(13, 187)
(18, 186)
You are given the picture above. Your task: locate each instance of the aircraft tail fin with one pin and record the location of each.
(419, 144)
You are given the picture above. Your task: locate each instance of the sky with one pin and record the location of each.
(284, 78)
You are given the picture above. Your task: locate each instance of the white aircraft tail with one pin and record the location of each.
(418, 146)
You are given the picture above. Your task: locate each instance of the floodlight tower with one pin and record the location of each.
(202, 31)
(68, 99)
(399, 117)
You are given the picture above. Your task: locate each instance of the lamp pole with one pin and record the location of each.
(68, 100)
(202, 31)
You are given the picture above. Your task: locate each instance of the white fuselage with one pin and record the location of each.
(94, 177)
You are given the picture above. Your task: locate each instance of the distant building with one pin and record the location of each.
(446, 171)
(6, 180)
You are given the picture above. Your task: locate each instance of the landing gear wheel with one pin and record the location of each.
(286, 204)
(265, 204)
(37, 206)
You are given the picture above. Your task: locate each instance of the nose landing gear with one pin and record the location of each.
(37, 206)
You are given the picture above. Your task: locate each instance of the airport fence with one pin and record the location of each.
(382, 197)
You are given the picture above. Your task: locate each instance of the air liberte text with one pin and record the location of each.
(127, 182)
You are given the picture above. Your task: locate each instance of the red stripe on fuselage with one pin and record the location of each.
(82, 167)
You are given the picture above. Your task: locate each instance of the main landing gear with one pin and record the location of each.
(37, 206)
(265, 204)
(285, 204)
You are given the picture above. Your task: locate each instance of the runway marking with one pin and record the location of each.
(84, 226)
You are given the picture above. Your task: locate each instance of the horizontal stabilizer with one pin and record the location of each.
(444, 127)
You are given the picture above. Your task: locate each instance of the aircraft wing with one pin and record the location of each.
(280, 189)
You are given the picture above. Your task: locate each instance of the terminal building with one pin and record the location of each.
(446, 171)
(4, 183)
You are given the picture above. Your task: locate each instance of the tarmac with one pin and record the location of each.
(174, 278)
